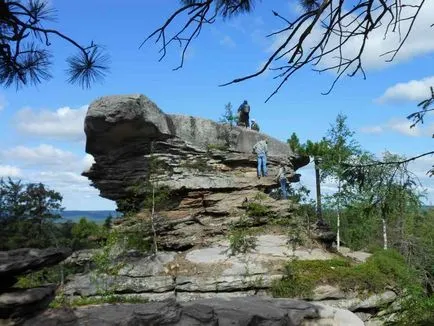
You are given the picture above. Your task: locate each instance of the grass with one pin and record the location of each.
(384, 269)
(62, 301)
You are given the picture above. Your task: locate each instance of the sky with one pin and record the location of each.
(41, 128)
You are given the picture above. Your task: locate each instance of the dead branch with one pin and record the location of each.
(331, 26)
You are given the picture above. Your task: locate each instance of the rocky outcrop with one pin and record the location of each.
(197, 273)
(16, 303)
(21, 261)
(209, 172)
(238, 311)
(199, 157)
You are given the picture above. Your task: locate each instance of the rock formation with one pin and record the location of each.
(210, 173)
(197, 154)
(239, 311)
(18, 302)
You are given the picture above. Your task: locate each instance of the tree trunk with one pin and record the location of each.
(338, 218)
(338, 202)
(318, 190)
(384, 233)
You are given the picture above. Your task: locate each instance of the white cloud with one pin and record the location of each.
(60, 170)
(75, 189)
(401, 126)
(64, 123)
(371, 130)
(228, 41)
(419, 42)
(414, 90)
(44, 155)
(87, 162)
(9, 171)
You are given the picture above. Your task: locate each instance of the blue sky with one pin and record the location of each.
(41, 128)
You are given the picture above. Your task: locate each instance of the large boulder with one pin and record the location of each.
(197, 154)
(239, 311)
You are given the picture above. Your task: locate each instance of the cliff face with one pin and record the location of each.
(196, 154)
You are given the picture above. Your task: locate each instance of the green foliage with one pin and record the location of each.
(27, 213)
(294, 142)
(229, 117)
(138, 236)
(103, 261)
(384, 269)
(85, 234)
(143, 195)
(418, 310)
(255, 209)
(342, 147)
(48, 275)
(240, 241)
(62, 301)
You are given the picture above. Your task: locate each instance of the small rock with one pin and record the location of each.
(376, 301)
(324, 292)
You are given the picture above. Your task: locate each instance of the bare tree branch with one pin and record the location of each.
(330, 25)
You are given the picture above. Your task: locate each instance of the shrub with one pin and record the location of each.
(240, 241)
(382, 270)
(255, 209)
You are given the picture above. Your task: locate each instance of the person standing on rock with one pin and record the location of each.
(261, 150)
(254, 125)
(243, 114)
(281, 178)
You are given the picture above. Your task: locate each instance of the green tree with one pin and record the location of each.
(228, 116)
(85, 234)
(27, 213)
(147, 196)
(342, 148)
(316, 150)
(390, 190)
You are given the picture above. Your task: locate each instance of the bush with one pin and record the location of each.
(255, 209)
(382, 270)
(48, 275)
(240, 241)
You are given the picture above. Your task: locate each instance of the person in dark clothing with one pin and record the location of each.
(243, 114)
(254, 125)
(281, 178)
